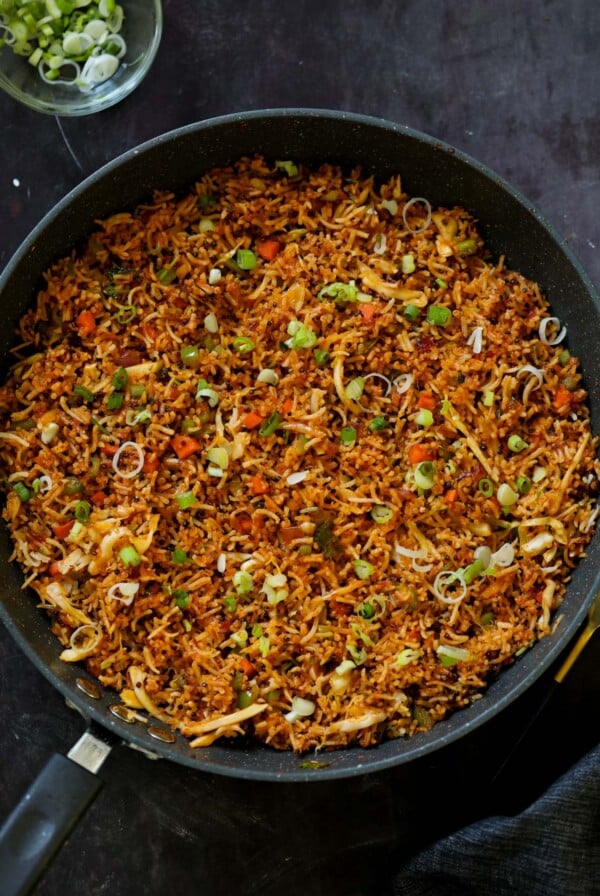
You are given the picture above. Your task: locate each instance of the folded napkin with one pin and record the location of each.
(550, 849)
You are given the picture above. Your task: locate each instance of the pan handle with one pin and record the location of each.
(46, 814)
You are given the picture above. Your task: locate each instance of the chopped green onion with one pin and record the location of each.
(424, 418)
(466, 247)
(439, 315)
(190, 427)
(240, 637)
(182, 598)
(120, 379)
(243, 582)
(129, 556)
(72, 486)
(179, 556)
(243, 344)
(132, 418)
(264, 645)
(450, 655)
(186, 499)
(256, 630)
(288, 167)
(270, 425)
(126, 314)
(355, 388)
(366, 610)
(487, 619)
(348, 435)
(381, 513)
(377, 423)
(230, 603)
(246, 259)
(76, 530)
(516, 443)
(267, 375)
(203, 390)
(166, 275)
(488, 398)
(219, 457)
(115, 401)
(422, 716)
(302, 336)
(275, 588)
(523, 485)
(21, 490)
(246, 698)
(564, 356)
(408, 264)
(339, 292)
(205, 225)
(137, 390)
(441, 283)
(363, 569)
(486, 487)
(472, 571)
(424, 475)
(411, 312)
(321, 356)
(359, 655)
(84, 392)
(190, 355)
(82, 511)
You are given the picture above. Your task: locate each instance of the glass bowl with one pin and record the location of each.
(141, 30)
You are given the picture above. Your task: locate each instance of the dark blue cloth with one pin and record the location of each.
(550, 849)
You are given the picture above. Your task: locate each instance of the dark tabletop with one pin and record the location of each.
(514, 84)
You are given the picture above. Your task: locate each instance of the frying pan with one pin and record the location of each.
(430, 168)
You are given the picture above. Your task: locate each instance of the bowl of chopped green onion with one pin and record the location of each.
(75, 57)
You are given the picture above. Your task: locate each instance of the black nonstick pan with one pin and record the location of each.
(509, 225)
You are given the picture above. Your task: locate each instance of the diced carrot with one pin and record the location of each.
(184, 446)
(418, 454)
(63, 529)
(287, 406)
(247, 667)
(368, 312)
(86, 323)
(427, 401)
(150, 465)
(55, 569)
(98, 498)
(109, 450)
(251, 420)
(242, 523)
(290, 533)
(268, 249)
(259, 486)
(150, 332)
(451, 496)
(563, 398)
(180, 302)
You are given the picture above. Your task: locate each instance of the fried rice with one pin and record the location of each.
(292, 456)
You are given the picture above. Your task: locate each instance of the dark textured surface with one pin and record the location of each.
(516, 86)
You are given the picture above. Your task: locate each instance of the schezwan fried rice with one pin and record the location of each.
(293, 456)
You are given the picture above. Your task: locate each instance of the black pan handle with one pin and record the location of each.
(44, 818)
